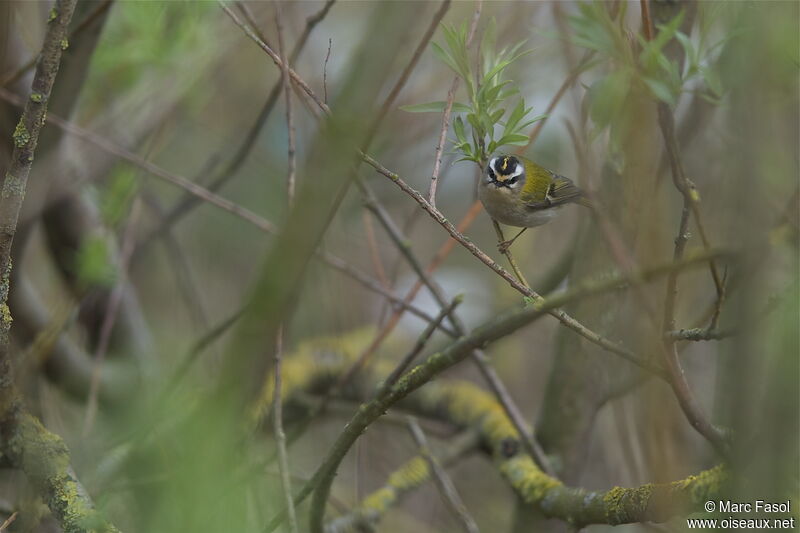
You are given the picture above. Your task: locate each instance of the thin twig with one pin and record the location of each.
(8, 521)
(247, 13)
(183, 206)
(456, 352)
(559, 314)
(277, 401)
(110, 318)
(699, 334)
(181, 266)
(136, 160)
(478, 357)
(446, 487)
(280, 436)
(325, 72)
(275, 57)
(406, 361)
(436, 215)
(506, 251)
(566, 84)
(101, 8)
(402, 304)
(677, 379)
(388, 103)
(374, 253)
(41, 455)
(26, 137)
(448, 108)
(290, 177)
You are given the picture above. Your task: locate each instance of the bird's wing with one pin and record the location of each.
(561, 191)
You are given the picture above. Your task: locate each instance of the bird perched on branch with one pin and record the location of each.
(517, 192)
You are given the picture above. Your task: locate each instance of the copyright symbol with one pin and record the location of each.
(709, 506)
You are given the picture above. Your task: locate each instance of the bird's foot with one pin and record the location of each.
(504, 245)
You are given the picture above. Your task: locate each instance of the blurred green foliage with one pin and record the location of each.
(92, 263)
(117, 194)
(144, 36)
(632, 62)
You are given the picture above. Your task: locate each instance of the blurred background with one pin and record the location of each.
(119, 273)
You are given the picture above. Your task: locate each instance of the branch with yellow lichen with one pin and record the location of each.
(44, 458)
(317, 363)
(503, 325)
(27, 445)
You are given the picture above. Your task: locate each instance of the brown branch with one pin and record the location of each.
(566, 84)
(8, 521)
(446, 487)
(23, 440)
(677, 379)
(101, 8)
(280, 436)
(138, 161)
(26, 137)
(423, 373)
(188, 202)
(287, 91)
(559, 314)
(275, 57)
(277, 403)
(448, 108)
(415, 57)
(325, 71)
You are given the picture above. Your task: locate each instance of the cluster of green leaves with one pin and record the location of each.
(637, 61)
(488, 95)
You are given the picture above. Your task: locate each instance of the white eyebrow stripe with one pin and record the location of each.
(517, 171)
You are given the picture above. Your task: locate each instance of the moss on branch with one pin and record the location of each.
(467, 406)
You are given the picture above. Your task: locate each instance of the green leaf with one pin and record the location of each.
(502, 65)
(458, 128)
(476, 125)
(527, 123)
(661, 91)
(517, 114)
(432, 107)
(515, 139)
(496, 116)
(445, 57)
(488, 44)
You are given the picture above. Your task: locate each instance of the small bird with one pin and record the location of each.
(517, 192)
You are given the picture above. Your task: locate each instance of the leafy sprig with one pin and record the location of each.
(479, 126)
(641, 62)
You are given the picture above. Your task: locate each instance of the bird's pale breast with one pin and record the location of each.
(504, 207)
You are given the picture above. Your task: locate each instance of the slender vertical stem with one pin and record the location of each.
(115, 301)
(277, 403)
(677, 378)
(443, 481)
(448, 108)
(287, 91)
(280, 436)
(507, 252)
(26, 137)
